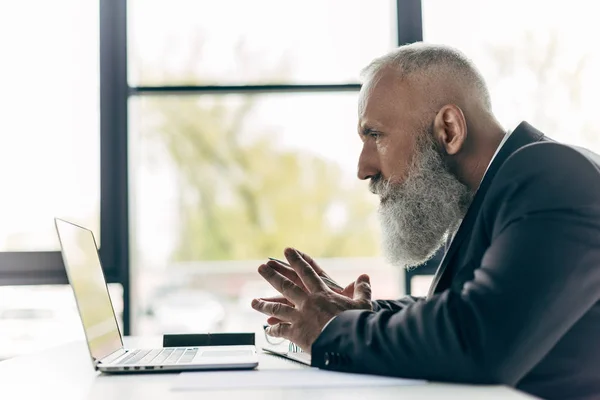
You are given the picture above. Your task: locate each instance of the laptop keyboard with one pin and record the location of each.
(160, 356)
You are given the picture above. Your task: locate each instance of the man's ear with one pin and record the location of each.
(450, 129)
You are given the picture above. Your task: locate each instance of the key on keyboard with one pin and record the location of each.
(188, 356)
(160, 356)
(174, 356)
(129, 356)
(140, 354)
(150, 357)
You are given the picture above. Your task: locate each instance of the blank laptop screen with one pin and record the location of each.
(84, 270)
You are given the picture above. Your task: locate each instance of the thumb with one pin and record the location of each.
(362, 288)
(349, 290)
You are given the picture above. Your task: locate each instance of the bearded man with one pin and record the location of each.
(515, 300)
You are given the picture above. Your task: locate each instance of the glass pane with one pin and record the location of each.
(33, 318)
(219, 183)
(259, 41)
(538, 61)
(49, 140)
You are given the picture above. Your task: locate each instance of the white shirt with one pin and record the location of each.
(497, 150)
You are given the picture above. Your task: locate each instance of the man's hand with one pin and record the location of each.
(309, 304)
(293, 276)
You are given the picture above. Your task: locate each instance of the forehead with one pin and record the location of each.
(386, 100)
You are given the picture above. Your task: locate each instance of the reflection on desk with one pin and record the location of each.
(66, 373)
(283, 379)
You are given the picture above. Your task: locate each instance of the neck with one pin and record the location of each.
(482, 147)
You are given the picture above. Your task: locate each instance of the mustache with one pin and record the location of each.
(380, 186)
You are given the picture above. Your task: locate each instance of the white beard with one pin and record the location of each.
(417, 215)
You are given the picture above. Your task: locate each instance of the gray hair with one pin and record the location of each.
(432, 61)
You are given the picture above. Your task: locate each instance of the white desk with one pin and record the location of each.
(66, 373)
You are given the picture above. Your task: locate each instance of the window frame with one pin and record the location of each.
(46, 267)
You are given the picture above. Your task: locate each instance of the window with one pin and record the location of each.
(49, 162)
(221, 181)
(68, 148)
(189, 42)
(536, 57)
(237, 177)
(49, 135)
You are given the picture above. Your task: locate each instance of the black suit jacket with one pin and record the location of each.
(516, 298)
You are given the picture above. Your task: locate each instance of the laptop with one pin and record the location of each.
(105, 343)
(298, 356)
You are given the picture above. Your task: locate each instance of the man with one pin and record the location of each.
(516, 298)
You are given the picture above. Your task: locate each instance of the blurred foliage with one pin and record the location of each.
(554, 84)
(241, 195)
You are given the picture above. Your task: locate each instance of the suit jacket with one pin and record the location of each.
(515, 300)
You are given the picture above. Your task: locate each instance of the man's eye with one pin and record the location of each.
(375, 135)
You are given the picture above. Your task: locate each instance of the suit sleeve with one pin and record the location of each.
(536, 279)
(395, 305)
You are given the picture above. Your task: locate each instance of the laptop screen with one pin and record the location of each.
(85, 274)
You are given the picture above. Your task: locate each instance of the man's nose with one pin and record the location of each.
(368, 163)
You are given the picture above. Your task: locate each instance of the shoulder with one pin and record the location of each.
(544, 176)
(548, 164)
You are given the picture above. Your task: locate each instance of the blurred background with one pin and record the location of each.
(196, 138)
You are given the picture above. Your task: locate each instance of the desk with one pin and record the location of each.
(66, 373)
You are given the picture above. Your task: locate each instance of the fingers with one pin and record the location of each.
(280, 311)
(324, 276)
(278, 299)
(283, 330)
(362, 289)
(282, 284)
(307, 274)
(312, 263)
(287, 272)
(273, 321)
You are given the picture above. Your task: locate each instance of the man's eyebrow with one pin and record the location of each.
(366, 130)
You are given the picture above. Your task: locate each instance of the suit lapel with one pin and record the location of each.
(523, 135)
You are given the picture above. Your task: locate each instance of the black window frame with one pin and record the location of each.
(46, 267)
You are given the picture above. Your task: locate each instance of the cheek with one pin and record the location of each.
(382, 149)
(393, 164)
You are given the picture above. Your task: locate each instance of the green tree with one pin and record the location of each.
(241, 195)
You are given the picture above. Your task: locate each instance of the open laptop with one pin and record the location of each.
(105, 343)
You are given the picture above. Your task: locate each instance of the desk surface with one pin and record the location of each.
(66, 373)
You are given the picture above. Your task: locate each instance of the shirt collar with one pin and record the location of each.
(504, 139)
(497, 150)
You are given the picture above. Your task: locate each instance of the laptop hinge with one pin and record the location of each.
(111, 357)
